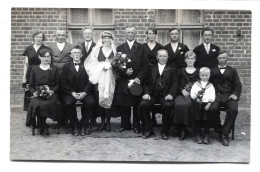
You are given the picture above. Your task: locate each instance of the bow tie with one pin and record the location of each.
(76, 64)
(222, 68)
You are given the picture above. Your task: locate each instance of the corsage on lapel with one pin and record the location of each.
(179, 48)
(181, 52)
(214, 50)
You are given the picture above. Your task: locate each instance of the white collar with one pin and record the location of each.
(160, 65)
(174, 44)
(58, 43)
(206, 44)
(130, 42)
(223, 66)
(89, 43)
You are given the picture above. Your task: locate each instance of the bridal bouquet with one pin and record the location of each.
(44, 92)
(120, 62)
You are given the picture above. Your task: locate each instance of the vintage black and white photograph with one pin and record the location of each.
(130, 85)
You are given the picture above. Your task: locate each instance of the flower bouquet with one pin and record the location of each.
(200, 95)
(44, 92)
(119, 63)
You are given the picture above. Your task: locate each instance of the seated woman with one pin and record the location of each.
(43, 85)
(31, 59)
(183, 111)
(99, 69)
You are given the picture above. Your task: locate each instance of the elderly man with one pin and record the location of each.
(160, 87)
(206, 53)
(123, 99)
(176, 49)
(228, 89)
(60, 50)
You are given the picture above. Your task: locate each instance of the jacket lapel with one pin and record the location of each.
(165, 73)
(155, 70)
(64, 51)
(72, 68)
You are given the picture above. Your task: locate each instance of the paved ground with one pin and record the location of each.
(124, 147)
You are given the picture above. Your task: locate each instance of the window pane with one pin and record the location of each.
(77, 36)
(79, 16)
(191, 38)
(166, 16)
(103, 16)
(190, 16)
(163, 37)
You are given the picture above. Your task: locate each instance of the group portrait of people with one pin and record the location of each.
(190, 86)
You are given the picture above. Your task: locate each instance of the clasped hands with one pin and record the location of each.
(79, 96)
(148, 97)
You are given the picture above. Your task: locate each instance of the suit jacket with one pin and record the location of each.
(176, 59)
(60, 58)
(170, 80)
(122, 97)
(84, 52)
(227, 83)
(203, 59)
(73, 81)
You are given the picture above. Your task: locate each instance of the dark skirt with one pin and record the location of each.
(26, 100)
(183, 111)
(50, 108)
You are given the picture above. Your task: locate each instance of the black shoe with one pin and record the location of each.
(175, 133)
(198, 139)
(137, 130)
(75, 132)
(206, 139)
(108, 127)
(102, 127)
(147, 134)
(83, 132)
(165, 136)
(225, 141)
(182, 135)
(121, 130)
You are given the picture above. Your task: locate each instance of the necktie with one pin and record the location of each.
(222, 68)
(207, 48)
(76, 64)
(87, 46)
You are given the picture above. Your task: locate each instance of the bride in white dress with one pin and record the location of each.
(99, 69)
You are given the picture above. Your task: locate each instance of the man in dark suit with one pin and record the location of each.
(60, 50)
(88, 43)
(160, 87)
(206, 53)
(76, 87)
(87, 47)
(123, 99)
(228, 89)
(176, 49)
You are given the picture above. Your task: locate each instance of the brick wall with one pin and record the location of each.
(225, 23)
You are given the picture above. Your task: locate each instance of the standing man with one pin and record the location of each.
(124, 100)
(88, 43)
(60, 50)
(206, 53)
(228, 89)
(176, 49)
(87, 47)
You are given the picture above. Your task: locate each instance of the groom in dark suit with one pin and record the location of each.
(123, 99)
(60, 50)
(88, 43)
(228, 89)
(76, 87)
(161, 87)
(206, 53)
(176, 49)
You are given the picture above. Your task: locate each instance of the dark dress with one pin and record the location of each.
(150, 55)
(183, 111)
(33, 60)
(50, 108)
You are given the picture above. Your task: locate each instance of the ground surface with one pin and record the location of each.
(125, 146)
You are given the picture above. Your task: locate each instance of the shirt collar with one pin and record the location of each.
(89, 43)
(58, 43)
(206, 44)
(130, 42)
(161, 65)
(174, 44)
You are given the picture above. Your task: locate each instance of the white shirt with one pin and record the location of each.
(174, 46)
(208, 96)
(130, 44)
(207, 47)
(77, 66)
(161, 68)
(222, 70)
(60, 46)
(87, 45)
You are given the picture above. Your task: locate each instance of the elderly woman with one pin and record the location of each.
(183, 111)
(31, 59)
(99, 69)
(43, 85)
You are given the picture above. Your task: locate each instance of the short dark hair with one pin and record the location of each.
(222, 52)
(36, 32)
(174, 28)
(207, 29)
(162, 49)
(78, 46)
(43, 51)
(152, 29)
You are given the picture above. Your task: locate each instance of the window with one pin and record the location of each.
(189, 21)
(99, 19)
